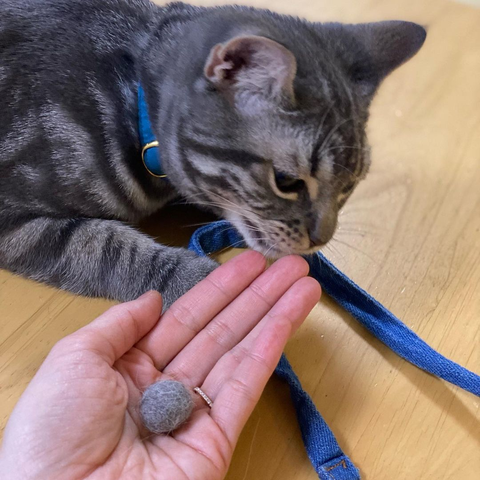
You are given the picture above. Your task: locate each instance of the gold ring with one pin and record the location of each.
(207, 399)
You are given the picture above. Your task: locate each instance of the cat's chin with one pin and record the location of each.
(269, 252)
(272, 253)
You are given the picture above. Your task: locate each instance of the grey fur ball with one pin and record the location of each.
(165, 406)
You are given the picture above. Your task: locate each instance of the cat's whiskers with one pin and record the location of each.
(201, 224)
(252, 228)
(322, 121)
(331, 133)
(353, 174)
(231, 202)
(351, 234)
(272, 247)
(347, 228)
(346, 147)
(233, 245)
(348, 224)
(335, 251)
(207, 193)
(210, 203)
(324, 149)
(237, 209)
(242, 208)
(354, 248)
(241, 211)
(351, 231)
(337, 177)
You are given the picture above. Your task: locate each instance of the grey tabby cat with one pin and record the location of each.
(260, 117)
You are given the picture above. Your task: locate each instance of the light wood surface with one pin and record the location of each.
(410, 236)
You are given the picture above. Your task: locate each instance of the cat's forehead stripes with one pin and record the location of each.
(222, 155)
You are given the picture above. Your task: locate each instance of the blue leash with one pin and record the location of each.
(323, 450)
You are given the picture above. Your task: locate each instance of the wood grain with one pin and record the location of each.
(410, 236)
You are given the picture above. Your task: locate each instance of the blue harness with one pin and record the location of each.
(323, 450)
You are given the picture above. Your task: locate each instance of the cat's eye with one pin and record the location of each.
(287, 184)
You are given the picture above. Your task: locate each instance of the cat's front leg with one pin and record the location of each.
(98, 258)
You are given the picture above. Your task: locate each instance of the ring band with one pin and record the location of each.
(207, 399)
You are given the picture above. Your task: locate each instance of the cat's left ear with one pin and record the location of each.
(375, 49)
(253, 71)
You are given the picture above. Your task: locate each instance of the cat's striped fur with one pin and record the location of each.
(278, 166)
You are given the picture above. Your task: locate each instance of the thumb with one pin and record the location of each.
(116, 331)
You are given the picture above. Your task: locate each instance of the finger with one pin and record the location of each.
(188, 315)
(117, 330)
(239, 395)
(294, 306)
(231, 325)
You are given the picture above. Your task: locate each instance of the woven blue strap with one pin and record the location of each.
(326, 456)
(322, 448)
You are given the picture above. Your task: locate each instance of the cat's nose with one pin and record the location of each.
(321, 229)
(317, 239)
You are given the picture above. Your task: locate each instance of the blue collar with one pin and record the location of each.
(151, 156)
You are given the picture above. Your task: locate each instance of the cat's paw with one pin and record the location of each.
(191, 270)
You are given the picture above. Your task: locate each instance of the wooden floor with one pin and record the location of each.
(410, 236)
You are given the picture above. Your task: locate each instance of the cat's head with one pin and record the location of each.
(272, 135)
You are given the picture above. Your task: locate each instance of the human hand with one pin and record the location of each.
(79, 415)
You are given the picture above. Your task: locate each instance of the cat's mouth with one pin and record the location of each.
(256, 234)
(258, 240)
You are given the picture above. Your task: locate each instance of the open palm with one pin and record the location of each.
(79, 416)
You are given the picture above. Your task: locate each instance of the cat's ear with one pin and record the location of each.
(381, 47)
(253, 71)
